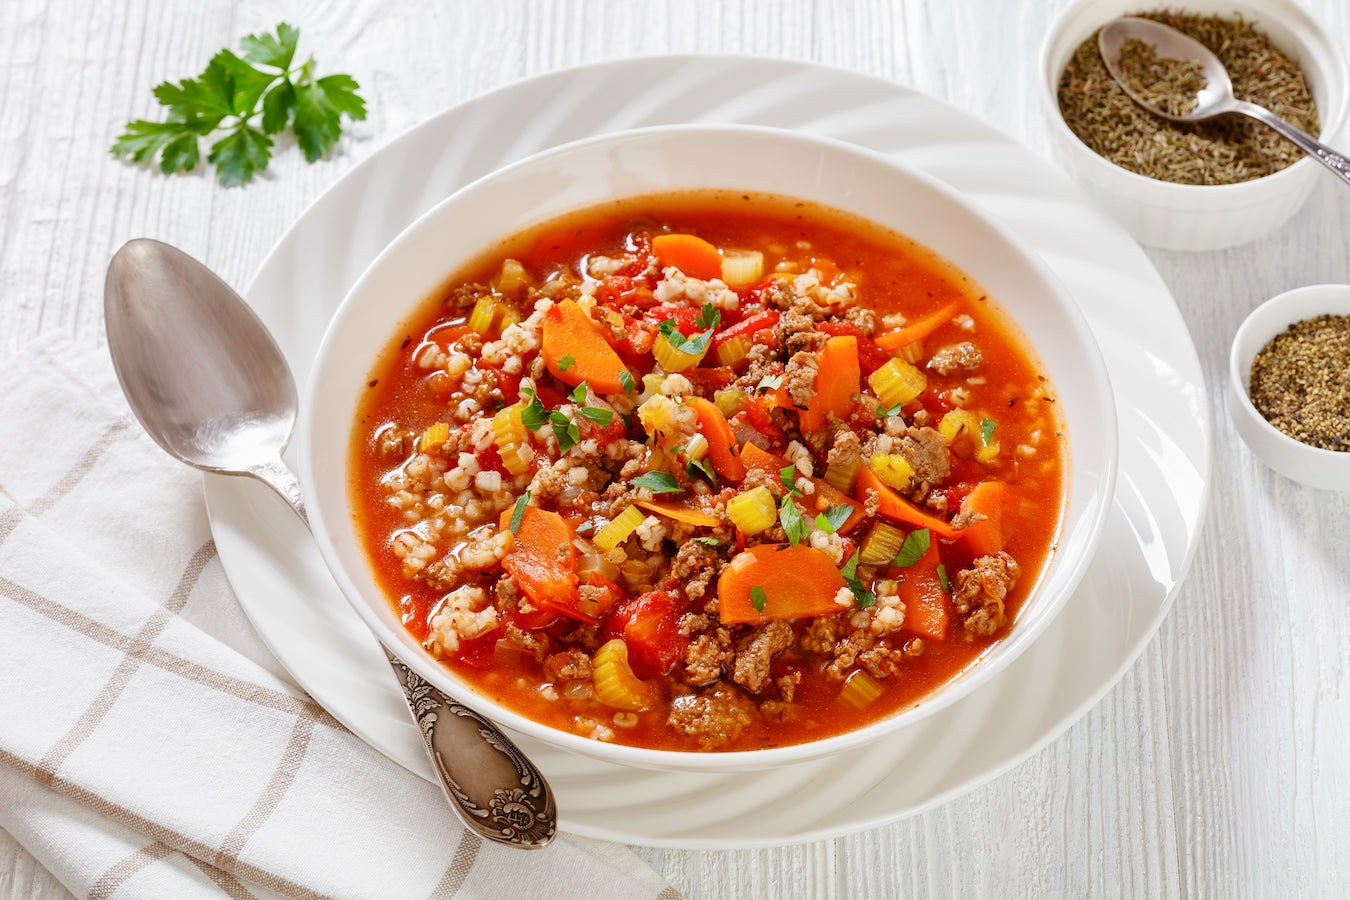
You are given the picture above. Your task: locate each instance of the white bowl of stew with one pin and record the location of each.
(707, 447)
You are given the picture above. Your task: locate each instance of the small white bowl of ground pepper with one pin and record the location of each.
(1289, 384)
(1208, 185)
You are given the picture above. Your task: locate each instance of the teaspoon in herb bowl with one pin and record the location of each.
(1214, 98)
(209, 384)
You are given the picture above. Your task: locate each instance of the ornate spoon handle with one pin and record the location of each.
(522, 815)
(1310, 145)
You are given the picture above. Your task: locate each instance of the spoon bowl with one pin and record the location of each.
(210, 385)
(1214, 98)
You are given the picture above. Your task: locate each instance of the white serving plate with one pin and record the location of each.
(1151, 533)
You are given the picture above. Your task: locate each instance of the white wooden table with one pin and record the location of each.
(1215, 768)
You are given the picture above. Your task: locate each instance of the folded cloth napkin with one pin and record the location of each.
(150, 746)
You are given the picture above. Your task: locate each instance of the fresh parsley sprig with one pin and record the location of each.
(249, 97)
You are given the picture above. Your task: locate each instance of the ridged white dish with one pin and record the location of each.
(1149, 538)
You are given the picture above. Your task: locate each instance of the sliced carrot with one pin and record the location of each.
(721, 441)
(680, 512)
(543, 561)
(837, 380)
(756, 457)
(569, 332)
(916, 329)
(925, 601)
(797, 582)
(689, 253)
(985, 536)
(897, 508)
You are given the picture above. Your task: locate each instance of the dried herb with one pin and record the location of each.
(1300, 382)
(1226, 150)
(1166, 84)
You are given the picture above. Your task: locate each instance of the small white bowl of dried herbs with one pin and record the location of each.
(1207, 185)
(1289, 384)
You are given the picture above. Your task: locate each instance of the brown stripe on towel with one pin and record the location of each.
(460, 866)
(116, 876)
(155, 831)
(10, 520)
(121, 677)
(169, 662)
(282, 778)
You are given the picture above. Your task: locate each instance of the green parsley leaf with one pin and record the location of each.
(601, 417)
(584, 527)
(534, 415)
(861, 594)
(832, 519)
(790, 517)
(565, 430)
(987, 427)
(788, 476)
(885, 413)
(942, 578)
(758, 599)
(518, 513)
(580, 393)
(708, 317)
(912, 550)
(658, 483)
(769, 383)
(249, 103)
(566, 362)
(626, 380)
(697, 467)
(710, 541)
(694, 346)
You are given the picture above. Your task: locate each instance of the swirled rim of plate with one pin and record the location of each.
(1152, 531)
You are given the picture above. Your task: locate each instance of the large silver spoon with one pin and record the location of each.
(1215, 98)
(210, 385)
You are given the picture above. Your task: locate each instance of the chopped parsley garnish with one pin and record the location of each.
(565, 430)
(913, 549)
(697, 467)
(861, 594)
(942, 578)
(832, 519)
(710, 541)
(885, 413)
(694, 346)
(758, 599)
(658, 483)
(585, 527)
(769, 383)
(987, 427)
(518, 513)
(708, 317)
(788, 476)
(626, 379)
(534, 415)
(566, 362)
(601, 417)
(794, 526)
(258, 93)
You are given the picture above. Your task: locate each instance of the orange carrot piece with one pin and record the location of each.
(915, 330)
(568, 331)
(543, 561)
(756, 457)
(689, 253)
(680, 512)
(895, 507)
(985, 536)
(798, 582)
(925, 602)
(721, 441)
(837, 380)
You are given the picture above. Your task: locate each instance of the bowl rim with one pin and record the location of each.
(1337, 81)
(1262, 325)
(1090, 526)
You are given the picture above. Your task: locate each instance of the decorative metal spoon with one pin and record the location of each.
(1214, 99)
(210, 385)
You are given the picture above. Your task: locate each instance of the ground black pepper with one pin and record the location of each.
(1300, 382)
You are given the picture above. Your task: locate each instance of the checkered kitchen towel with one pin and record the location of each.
(149, 744)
